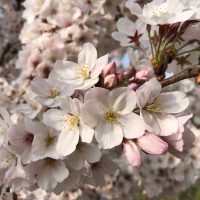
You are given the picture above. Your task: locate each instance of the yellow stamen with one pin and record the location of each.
(53, 93)
(82, 70)
(49, 140)
(111, 116)
(9, 159)
(154, 107)
(73, 121)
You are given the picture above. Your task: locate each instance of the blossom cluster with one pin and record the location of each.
(69, 118)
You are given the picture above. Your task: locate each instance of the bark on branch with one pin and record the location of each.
(187, 73)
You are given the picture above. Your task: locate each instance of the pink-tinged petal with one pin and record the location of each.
(148, 92)
(132, 153)
(86, 133)
(108, 135)
(122, 100)
(173, 102)
(132, 125)
(67, 142)
(152, 144)
(88, 55)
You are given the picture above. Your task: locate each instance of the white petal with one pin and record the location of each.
(91, 152)
(45, 179)
(59, 170)
(173, 102)
(97, 93)
(67, 142)
(65, 72)
(76, 160)
(161, 124)
(122, 100)
(100, 64)
(126, 26)
(132, 125)
(93, 113)
(148, 92)
(86, 133)
(88, 55)
(56, 119)
(108, 135)
(40, 86)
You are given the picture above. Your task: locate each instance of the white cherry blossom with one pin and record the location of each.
(111, 114)
(158, 108)
(161, 11)
(49, 91)
(83, 74)
(69, 121)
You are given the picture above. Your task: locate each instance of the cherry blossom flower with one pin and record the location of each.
(84, 152)
(69, 121)
(158, 108)
(21, 137)
(50, 91)
(160, 11)
(86, 73)
(48, 172)
(129, 33)
(110, 113)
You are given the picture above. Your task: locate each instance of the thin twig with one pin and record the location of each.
(187, 73)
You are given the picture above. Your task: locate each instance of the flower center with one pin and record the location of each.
(49, 140)
(161, 10)
(154, 107)
(53, 93)
(111, 116)
(82, 71)
(9, 159)
(73, 121)
(2, 131)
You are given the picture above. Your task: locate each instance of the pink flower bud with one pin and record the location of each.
(132, 153)
(110, 68)
(152, 144)
(142, 74)
(110, 81)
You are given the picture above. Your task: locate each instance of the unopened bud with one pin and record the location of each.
(110, 68)
(110, 81)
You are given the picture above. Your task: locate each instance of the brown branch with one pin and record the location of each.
(187, 73)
